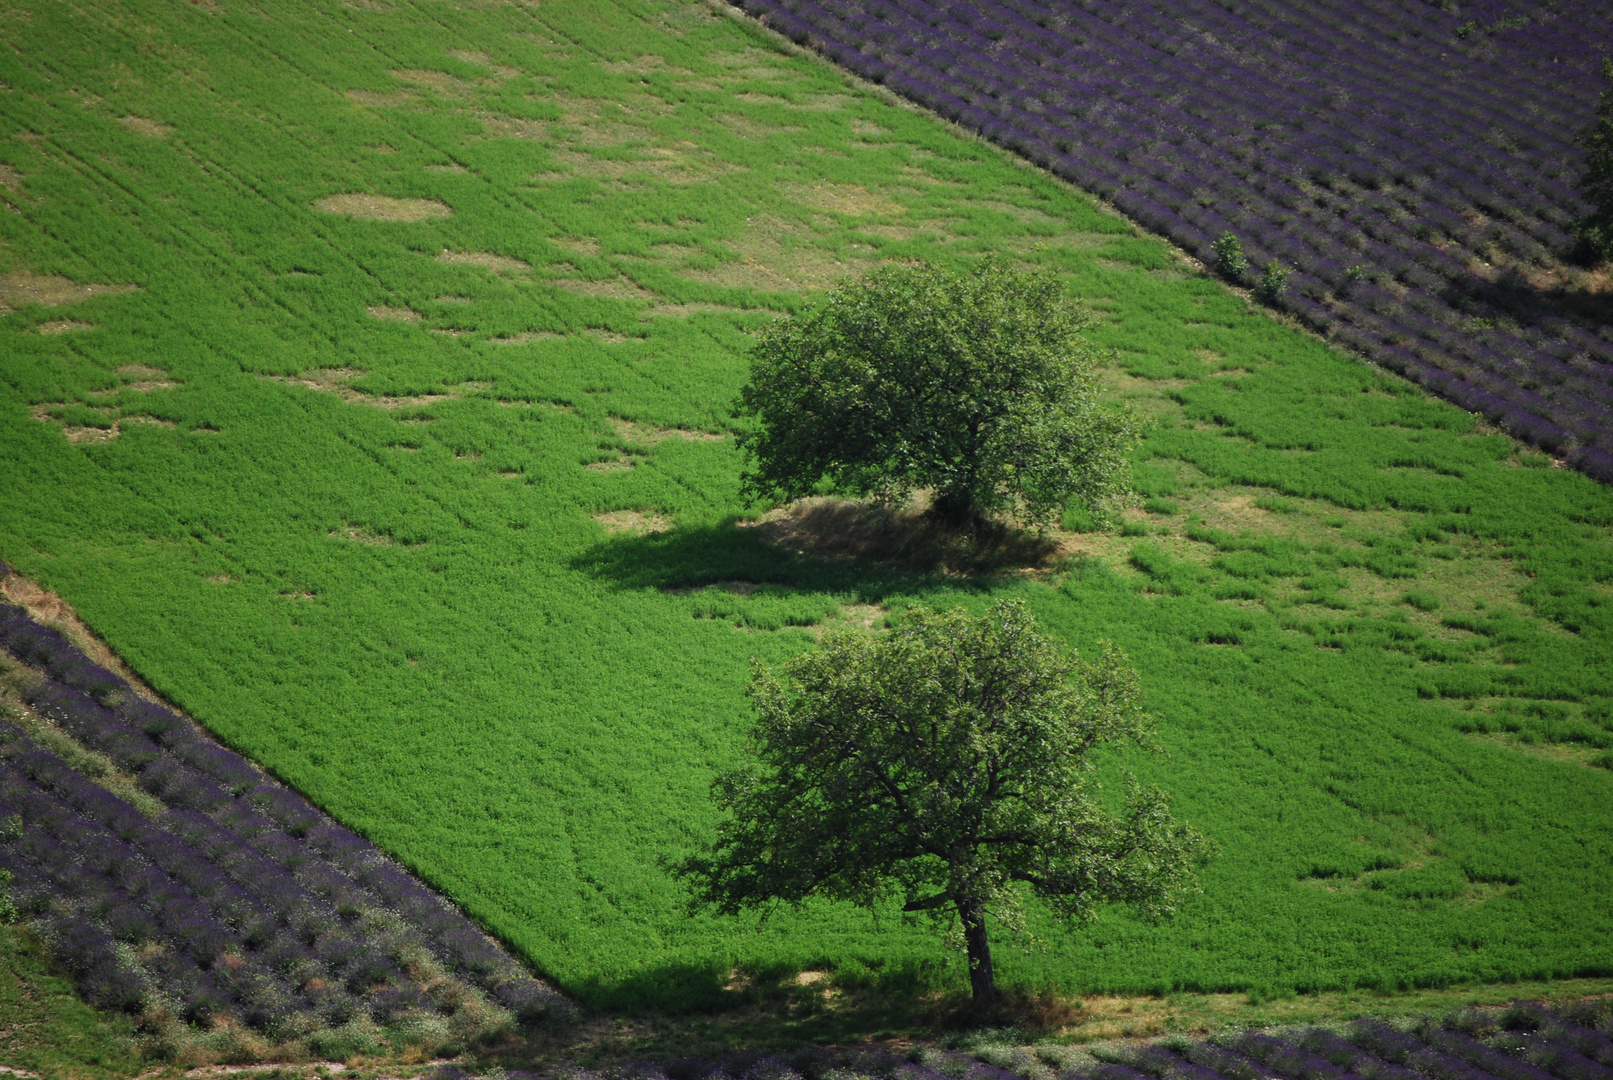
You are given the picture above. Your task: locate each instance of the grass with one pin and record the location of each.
(44, 1027)
(374, 447)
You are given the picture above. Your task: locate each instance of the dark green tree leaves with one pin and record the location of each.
(947, 765)
(1595, 230)
(976, 385)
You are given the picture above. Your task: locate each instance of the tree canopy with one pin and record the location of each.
(978, 385)
(946, 766)
(1595, 229)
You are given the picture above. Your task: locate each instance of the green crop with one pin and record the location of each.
(395, 445)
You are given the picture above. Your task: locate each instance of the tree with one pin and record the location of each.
(978, 385)
(947, 765)
(1595, 230)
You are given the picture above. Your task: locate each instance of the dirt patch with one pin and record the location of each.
(526, 338)
(744, 127)
(394, 314)
(513, 127)
(649, 435)
(502, 264)
(683, 311)
(451, 167)
(636, 522)
(612, 289)
(63, 326)
(145, 127)
(483, 60)
(777, 256)
(337, 381)
(10, 178)
(850, 199)
(643, 65)
(50, 290)
(660, 164)
(616, 464)
(377, 99)
(577, 245)
(142, 386)
(1027, 214)
(383, 207)
(360, 535)
(440, 81)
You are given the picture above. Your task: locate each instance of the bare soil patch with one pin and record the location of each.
(50, 290)
(633, 521)
(10, 178)
(577, 245)
(145, 127)
(440, 81)
(383, 207)
(642, 65)
(526, 338)
(337, 381)
(502, 264)
(649, 435)
(381, 99)
(683, 311)
(360, 535)
(660, 164)
(63, 326)
(746, 127)
(513, 127)
(394, 314)
(853, 200)
(612, 289)
(777, 256)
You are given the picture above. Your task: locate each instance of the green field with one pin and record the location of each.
(393, 452)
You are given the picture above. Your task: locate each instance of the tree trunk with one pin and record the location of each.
(982, 980)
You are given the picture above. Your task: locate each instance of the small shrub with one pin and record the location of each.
(1230, 261)
(1273, 282)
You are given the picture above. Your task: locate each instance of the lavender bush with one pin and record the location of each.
(1436, 151)
(239, 901)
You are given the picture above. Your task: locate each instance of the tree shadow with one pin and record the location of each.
(824, 545)
(1581, 296)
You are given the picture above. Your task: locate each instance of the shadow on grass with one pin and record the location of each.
(682, 1011)
(829, 545)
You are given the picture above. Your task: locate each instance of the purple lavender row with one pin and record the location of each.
(1534, 1045)
(268, 839)
(1187, 117)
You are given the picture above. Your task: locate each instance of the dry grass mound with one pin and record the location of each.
(383, 207)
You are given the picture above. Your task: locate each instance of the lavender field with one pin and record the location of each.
(1411, 163)
(230, 902)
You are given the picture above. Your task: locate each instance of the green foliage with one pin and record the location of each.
(44, 1027)
(10, 829)
(1595, 229)
(1230, 261)
(945, 765)
(976, 384)
(1273, 282)
(527, 708)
